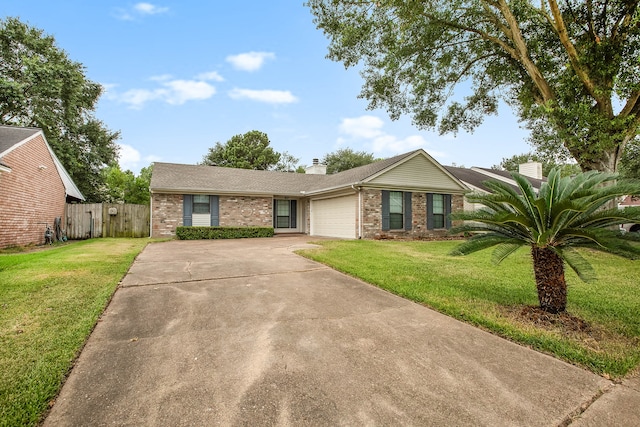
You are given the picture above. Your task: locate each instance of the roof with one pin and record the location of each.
(12, 137)
(172, 177)
(476, 177)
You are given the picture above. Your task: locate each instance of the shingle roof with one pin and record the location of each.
(11, 135)
(201, 178)
(478, 176)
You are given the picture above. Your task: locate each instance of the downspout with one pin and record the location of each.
(150, 212)
(359, 190)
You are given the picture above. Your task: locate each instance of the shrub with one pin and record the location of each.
(198, 233)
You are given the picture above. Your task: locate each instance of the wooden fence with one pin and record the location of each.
(84, 221)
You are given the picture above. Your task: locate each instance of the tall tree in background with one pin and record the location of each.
(512, 164)
(247, 151)
(563, 66)
(345, 159)
(125, 187)
(41, 87)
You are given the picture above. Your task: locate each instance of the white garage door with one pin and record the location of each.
(335, 217)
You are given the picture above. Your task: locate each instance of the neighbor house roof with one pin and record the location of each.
(476, 177)
(172, 177)
(11, 137)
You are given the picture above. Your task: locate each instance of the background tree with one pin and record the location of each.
(288, 163)
(630, 164)
(41, 87)
(247, 151)
(512, 164)
(345, 159)
(125, 187)
(567, 213)
(563, 67)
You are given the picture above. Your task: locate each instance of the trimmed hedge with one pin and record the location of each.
(198, 233)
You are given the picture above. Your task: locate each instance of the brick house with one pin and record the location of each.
(34, 186)
(407, 196)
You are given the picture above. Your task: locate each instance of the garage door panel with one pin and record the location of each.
(334, 217)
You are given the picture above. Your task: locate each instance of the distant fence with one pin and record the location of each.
(89, 220)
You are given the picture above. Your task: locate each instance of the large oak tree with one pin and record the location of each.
(569, 68)
(250, 150)
(41, 87)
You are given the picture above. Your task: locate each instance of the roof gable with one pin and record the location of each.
(12, 137)
(419, 170)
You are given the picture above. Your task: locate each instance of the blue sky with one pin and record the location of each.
(181, 76)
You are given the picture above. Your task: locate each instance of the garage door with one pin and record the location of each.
(335, 217)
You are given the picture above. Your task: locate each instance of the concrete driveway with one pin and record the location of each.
(245, 332)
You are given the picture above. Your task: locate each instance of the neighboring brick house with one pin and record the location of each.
(406, 196)
(34, 186)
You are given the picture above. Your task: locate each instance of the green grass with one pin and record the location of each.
(50, 301)
(474, 290)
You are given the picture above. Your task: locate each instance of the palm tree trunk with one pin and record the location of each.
(549, 271)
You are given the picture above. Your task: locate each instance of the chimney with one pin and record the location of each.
(531, 169)
(316, 168)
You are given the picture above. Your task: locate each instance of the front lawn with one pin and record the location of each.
(50, 301)
(600, 332)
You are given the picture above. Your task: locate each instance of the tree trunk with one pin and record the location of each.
(549, 272)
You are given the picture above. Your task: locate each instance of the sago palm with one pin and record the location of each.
(566, 213)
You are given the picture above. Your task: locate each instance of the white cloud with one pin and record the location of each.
(268, 96)
(211, 75)
(138, 10)
(181, 91)
(250, 61)
(170, 90)
(362, 127)
(369, 129)
(129, 157)
(149, 9)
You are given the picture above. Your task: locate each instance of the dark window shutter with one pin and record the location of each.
(429, 211)
(187, 210)
(385, 211)
(293, 213)
(447, 211)
(408, 225)
(215, 210)
(275, 212)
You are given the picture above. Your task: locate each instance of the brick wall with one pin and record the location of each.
(241, 211)
(31, 195)
(235, 211)
(166, 214)
(372, 217)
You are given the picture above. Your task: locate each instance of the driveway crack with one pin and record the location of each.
(573, 416)
(211, 279)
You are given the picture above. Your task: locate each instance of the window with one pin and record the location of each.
(396, 211)
(201, 204)
(284, 213)
(438, 211)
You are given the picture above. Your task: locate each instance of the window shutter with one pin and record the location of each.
(408, 225)
(447, 211)
(274, 212)
(385, 211)
(429, 211)
(215, 210)
(187, 210)
(293, 212)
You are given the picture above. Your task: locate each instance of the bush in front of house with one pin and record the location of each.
(199, 233)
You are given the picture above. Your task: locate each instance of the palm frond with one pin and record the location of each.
(480, 242)
(578, 263)
(503, 250)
